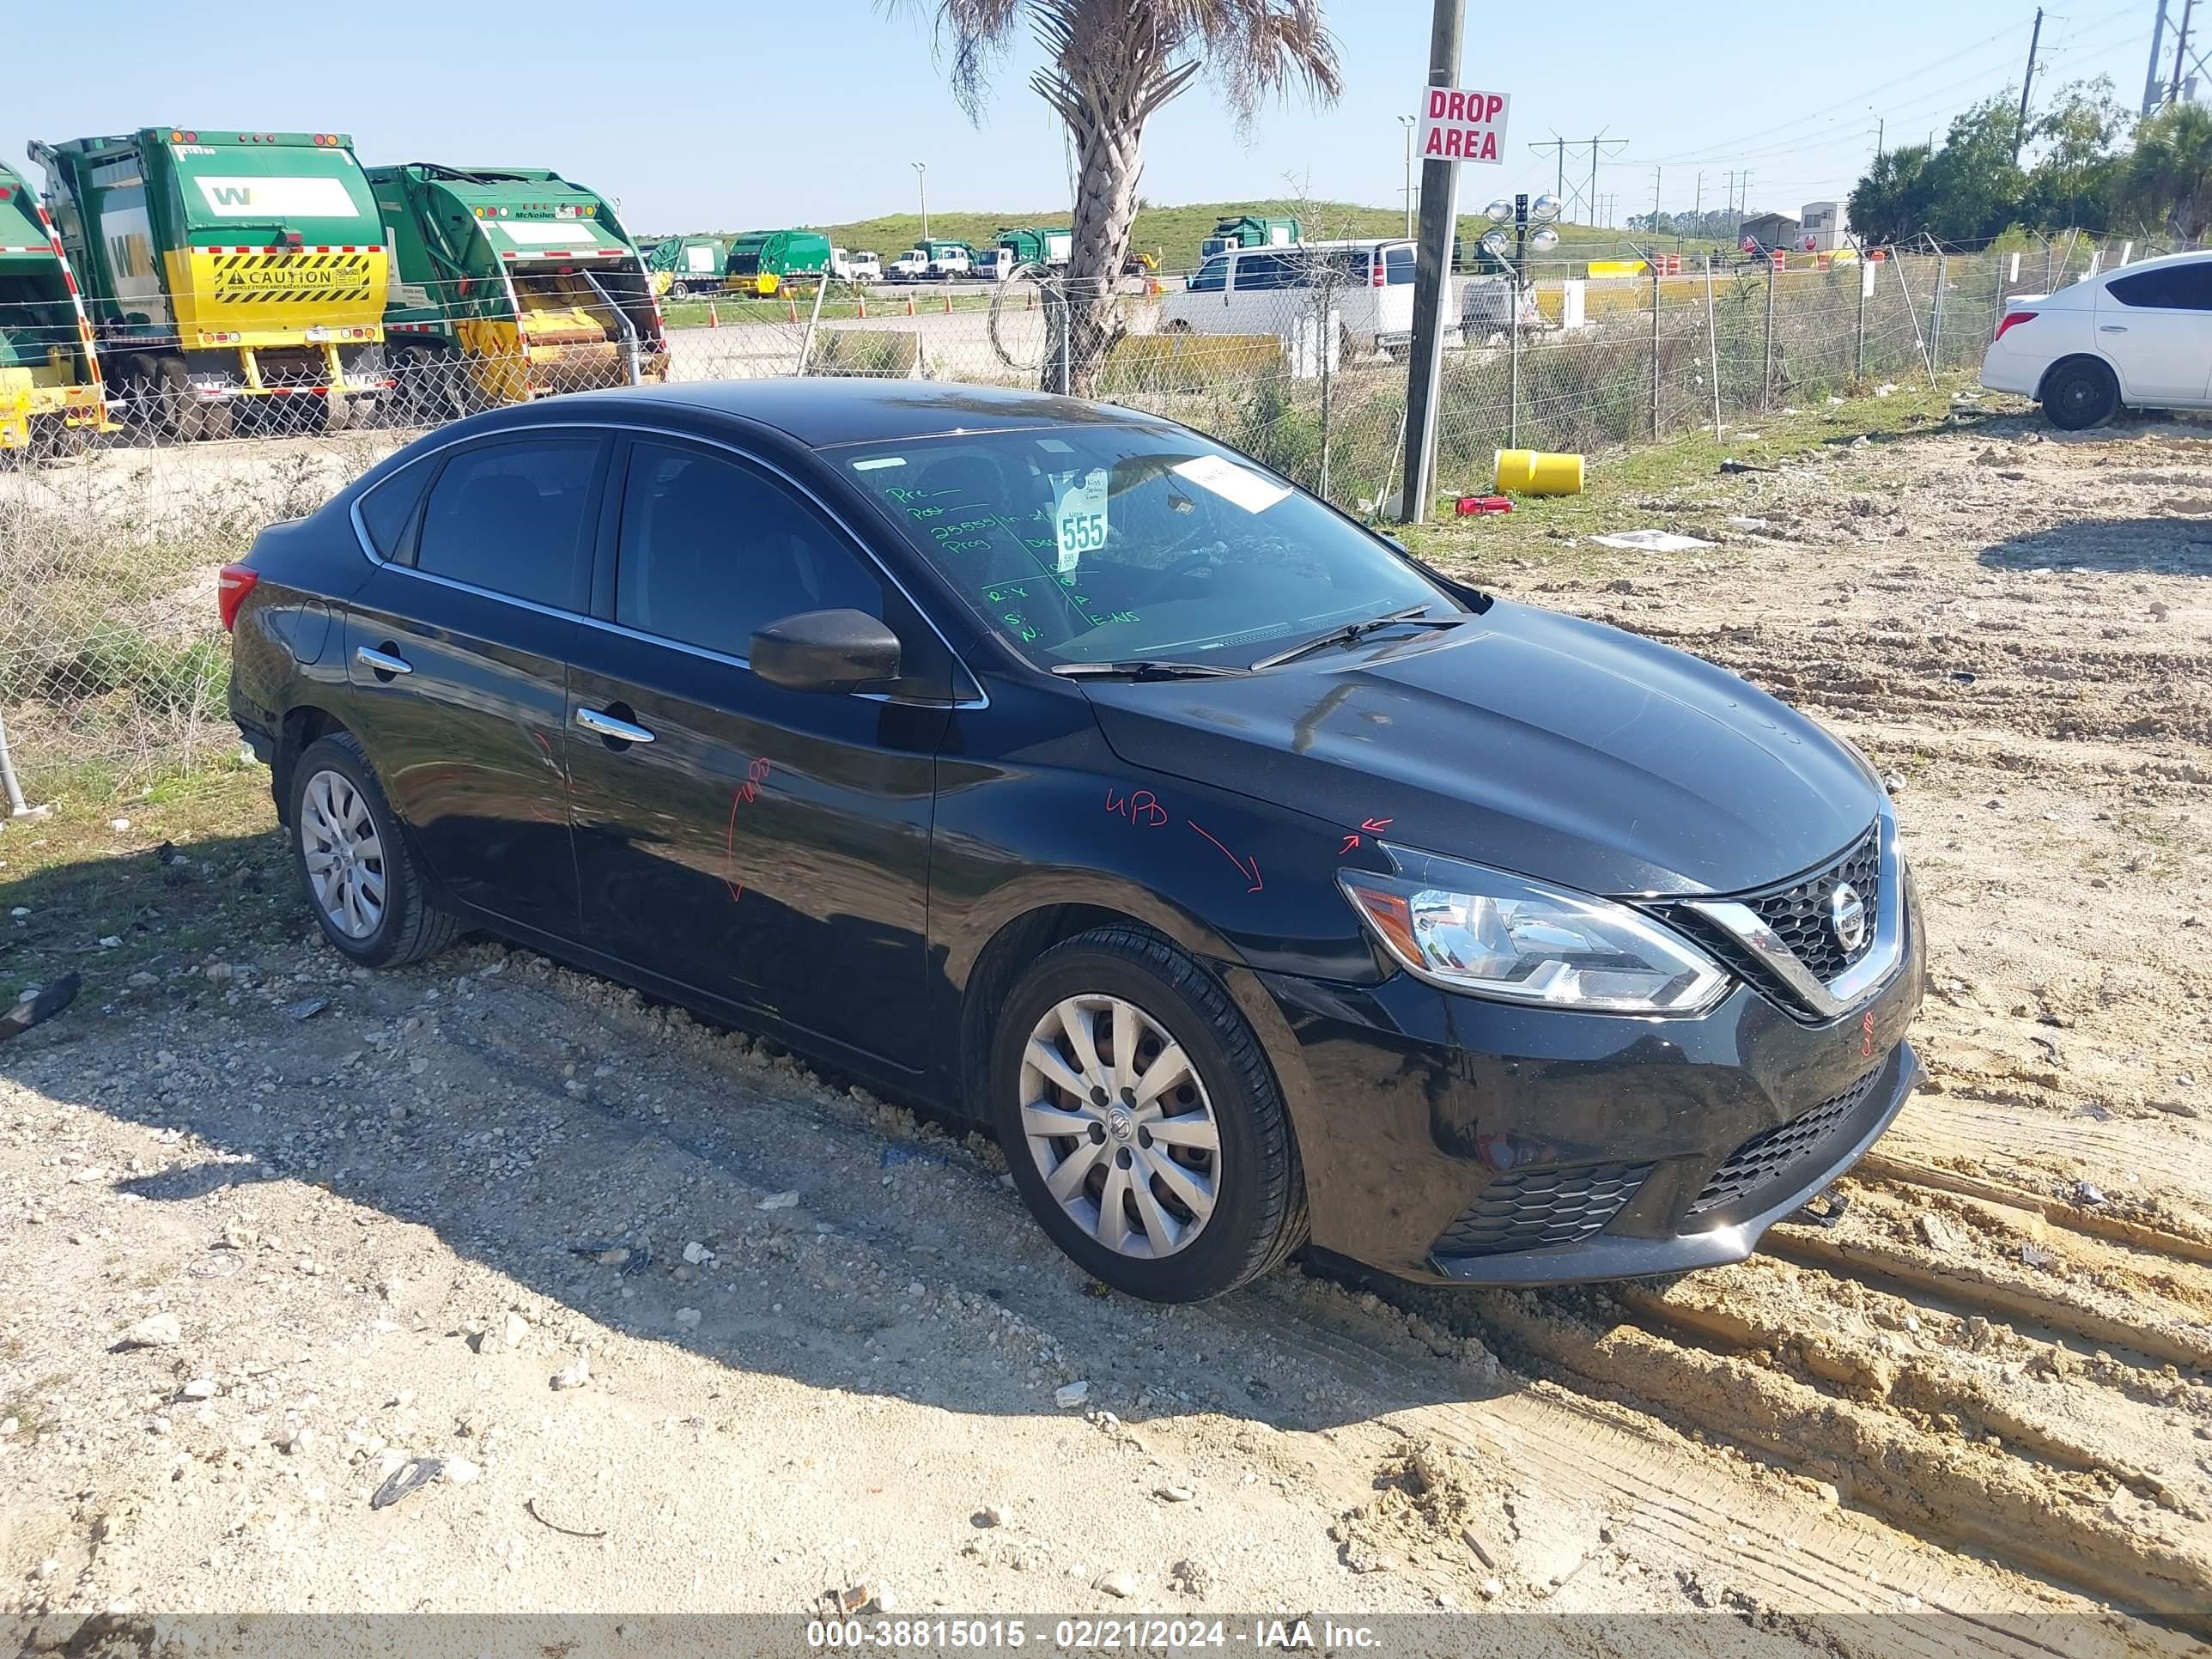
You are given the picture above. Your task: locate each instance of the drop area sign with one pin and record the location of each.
(1458, 125)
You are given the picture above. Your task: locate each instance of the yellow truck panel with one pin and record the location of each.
(237, 296)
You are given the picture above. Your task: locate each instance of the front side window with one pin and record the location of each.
(1109, 543)
(511, 517)
(1397, 265)
(1212, 277)
(712, 551)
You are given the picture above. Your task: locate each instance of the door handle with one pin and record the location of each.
(382, 662)
(2112, 328)
(610, 726)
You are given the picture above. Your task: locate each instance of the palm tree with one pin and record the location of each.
(1109, 65)
(2168, 178)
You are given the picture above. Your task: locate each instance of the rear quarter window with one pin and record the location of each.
(388, 509)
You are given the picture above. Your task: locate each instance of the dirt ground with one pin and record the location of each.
(403, 1215)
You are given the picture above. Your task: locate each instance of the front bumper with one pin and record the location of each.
(1456, 1140)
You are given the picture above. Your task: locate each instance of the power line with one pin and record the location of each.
(1588, 196)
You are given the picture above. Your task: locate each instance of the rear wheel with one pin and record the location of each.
(2080, 395)
(354, 867)
(679, 290)
(1142, 1121)
(177, 408)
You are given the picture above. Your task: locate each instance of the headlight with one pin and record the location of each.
(1496, 935)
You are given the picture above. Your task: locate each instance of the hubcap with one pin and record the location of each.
(343, 855)
(1120, 1125)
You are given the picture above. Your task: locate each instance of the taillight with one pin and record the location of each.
(2011, 319)
(231, 587)
(1375, 275)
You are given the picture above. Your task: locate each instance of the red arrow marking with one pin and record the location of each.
(1350, 841)
(1247, 869)
(1377, 826)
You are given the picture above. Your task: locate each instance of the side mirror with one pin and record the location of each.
(825, 650)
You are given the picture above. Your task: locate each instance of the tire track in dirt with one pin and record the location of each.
(1580, 1467)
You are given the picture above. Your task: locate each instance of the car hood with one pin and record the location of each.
(1526, 740)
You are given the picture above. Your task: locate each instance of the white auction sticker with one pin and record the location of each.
(1239, 485)
(1079, 514)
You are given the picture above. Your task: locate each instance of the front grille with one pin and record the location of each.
(1799, 915)
(1774, 1153)
(1537, 1209)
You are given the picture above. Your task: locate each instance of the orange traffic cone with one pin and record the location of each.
(792, 307)
(909, 304)
(864, 306)
(714, 318)
(948, 303)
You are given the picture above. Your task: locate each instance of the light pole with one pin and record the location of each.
(1523, 213)
(921, 184)
(1409, 124)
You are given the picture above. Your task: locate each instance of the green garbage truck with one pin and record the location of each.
(767, 262)
(510, 283)
(50, 389)
(684, 265)
(224, 273)
(1248, 230)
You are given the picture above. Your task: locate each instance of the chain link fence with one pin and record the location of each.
(116, 514)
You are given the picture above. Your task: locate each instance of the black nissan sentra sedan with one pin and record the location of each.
(1048, 763)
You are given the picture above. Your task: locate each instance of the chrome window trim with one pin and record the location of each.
(981, 700)
(1839, 995)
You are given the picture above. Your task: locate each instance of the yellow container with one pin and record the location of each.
(1534, 472)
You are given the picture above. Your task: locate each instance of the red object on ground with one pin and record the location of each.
(1468, 506)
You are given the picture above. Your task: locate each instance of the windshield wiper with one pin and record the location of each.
(1143, 668)
(1352, 632)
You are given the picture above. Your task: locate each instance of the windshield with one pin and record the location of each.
(1110, 543)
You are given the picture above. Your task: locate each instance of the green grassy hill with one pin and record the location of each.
(1173, 234)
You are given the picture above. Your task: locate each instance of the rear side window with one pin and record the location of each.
(712, 551)
(2177, 287)
(511, 517)
(389, 508)
(1397, 265)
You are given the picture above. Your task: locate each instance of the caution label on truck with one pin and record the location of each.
(271, 278)
(268, 294)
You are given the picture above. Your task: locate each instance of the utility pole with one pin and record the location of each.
(2150, 75)
(1410, 124)
(1559, 147)
(2181, 51)
(2027, 80)
(1698, 211)
(921, 184)
(1432, 279)
(1880, 128)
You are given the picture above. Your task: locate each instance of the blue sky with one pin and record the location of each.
(753, 114)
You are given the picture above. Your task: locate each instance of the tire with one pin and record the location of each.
(679, 291)
(179, 409)
(334, 788)
(1165, 1251)
(2079, 395)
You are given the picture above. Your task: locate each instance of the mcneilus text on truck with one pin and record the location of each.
(229, 275)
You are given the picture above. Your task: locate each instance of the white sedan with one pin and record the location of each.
(2138, 336)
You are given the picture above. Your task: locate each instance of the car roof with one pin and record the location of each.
(821, 412)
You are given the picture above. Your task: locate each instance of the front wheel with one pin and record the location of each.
(1142, 1121)
(2080, 395)
(354, 867)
